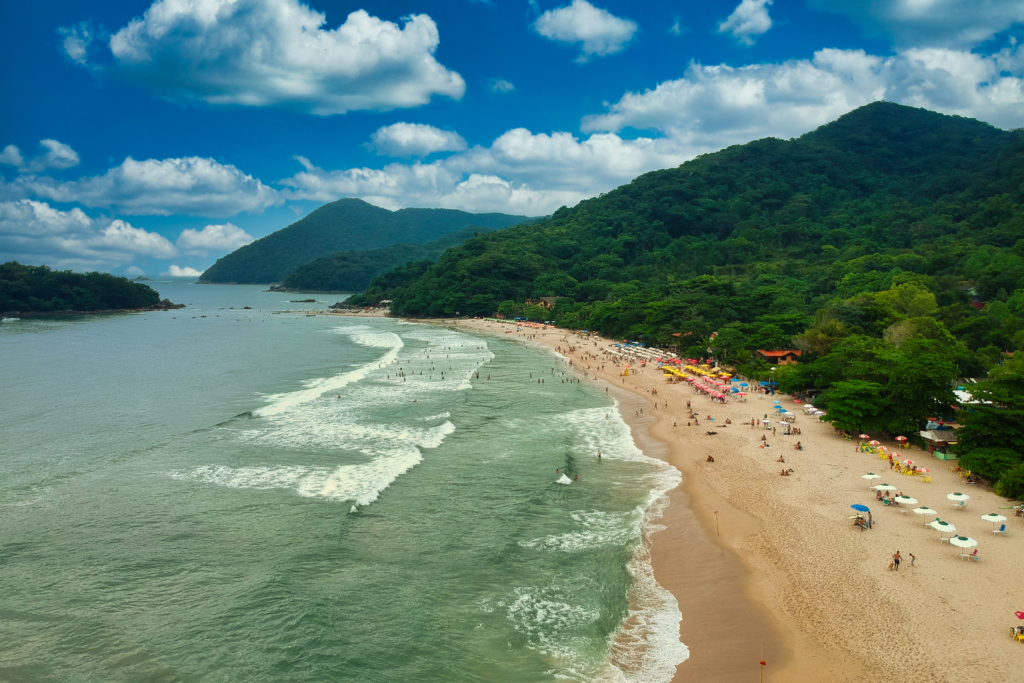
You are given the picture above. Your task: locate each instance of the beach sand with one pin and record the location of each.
(783, 572)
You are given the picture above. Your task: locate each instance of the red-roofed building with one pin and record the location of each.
(787, 357)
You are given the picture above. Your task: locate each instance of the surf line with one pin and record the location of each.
(318, 387)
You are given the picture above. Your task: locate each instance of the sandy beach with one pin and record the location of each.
(781, 570)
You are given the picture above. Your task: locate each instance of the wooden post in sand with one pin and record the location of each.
(716, 524)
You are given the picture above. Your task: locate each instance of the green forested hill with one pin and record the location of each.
(352, 271)
(344, 225)
(39, 289)
(888, 245)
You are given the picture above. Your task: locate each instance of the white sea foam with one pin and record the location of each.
(596, 529)
(348, 428)
(314, 389)
(563, 480)
(647, 648)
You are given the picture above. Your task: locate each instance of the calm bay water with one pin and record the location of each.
(260, 497)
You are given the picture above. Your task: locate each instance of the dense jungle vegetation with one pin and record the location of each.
(888, 246)
(344, 225)
(39, 289)
(352, 271)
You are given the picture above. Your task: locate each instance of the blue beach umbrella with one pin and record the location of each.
(763, 384)
(776, 401)
(744, 384)
(860, 508)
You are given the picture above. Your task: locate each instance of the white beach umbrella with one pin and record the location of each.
(958, 497)
(924, 512)
(905, 500)
(994, 518)
(884, 487)
(944, 527)
(870, 476)
(963, 542)
(808, 406)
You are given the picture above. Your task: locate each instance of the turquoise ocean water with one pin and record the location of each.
(257, 497)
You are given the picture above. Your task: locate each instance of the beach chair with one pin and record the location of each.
(927, 479)
(1016, 635)
(1000, 530)
(971, 556)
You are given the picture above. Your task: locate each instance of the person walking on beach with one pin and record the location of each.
(912, 559)
(896, 560)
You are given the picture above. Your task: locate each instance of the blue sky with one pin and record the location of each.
(153, 137)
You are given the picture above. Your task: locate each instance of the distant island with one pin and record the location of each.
(346, 225)
(27, 290)
(142, 278)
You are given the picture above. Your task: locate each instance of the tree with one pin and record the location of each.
(855, 405)
(991, 440)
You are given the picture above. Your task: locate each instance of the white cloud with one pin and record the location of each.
(76, 41)
(415, 140)
(225, 237)
(11, 156)
(930, 23)
(57, 155)
(677, 28)
(187, 271)
(134, 271)
(35, 232)
(122, 237)
(714, 106)
(599, 31)
(750, 18)
(521, 172)
(276, 53)
(190, 185)
(500, 86)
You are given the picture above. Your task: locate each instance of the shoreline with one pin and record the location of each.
(706, 576)
(790, 569)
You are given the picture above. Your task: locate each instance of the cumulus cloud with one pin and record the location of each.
(500, 86)
(134, 271)
(714, 106)
(11, 156)
(35, 232)
(56, 155)
(520, 172)
(190, 185)
(930, 23)
(415, 140)
(226, 237)
(597, 30)
(187, 271)
(750, 18)
(76, 42)
(263, 53)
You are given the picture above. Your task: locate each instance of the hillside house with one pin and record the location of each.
(787, 357)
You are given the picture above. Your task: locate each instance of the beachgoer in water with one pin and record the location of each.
(577, 477)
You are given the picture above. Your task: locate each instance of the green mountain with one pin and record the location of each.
(38, 289)
(352, 271)
(888, 246)
(344, 225)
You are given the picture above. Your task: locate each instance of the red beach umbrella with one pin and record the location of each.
(1020, 615)
(901, 439)
(863, 436)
